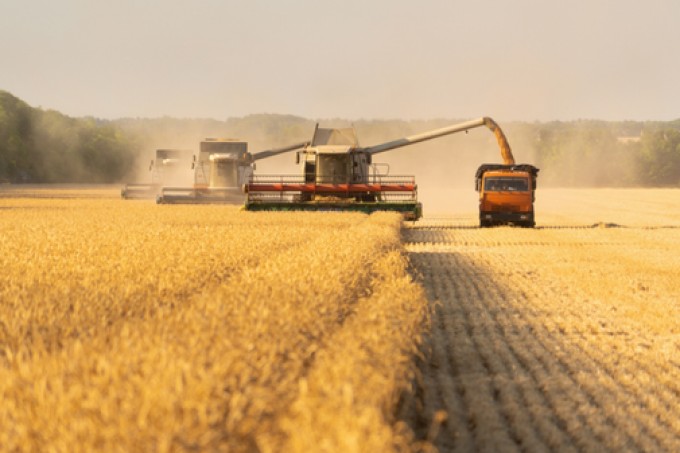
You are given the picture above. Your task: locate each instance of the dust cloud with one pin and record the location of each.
(261, 132)
(150, 167)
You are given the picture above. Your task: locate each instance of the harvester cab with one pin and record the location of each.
(222, 163)
(334, 157)
(220, 170)
(170, 166)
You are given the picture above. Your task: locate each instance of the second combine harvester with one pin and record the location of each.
(339, 175)
(222, 167)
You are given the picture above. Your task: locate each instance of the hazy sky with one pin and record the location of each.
(512, 60)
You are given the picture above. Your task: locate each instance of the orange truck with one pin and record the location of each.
(506, 194)
(506, 191)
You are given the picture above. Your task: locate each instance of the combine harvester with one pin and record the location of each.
(169, 167)
(223, 166)
(339, 175)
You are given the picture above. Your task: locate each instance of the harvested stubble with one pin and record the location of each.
(126, 326)
(565, 337)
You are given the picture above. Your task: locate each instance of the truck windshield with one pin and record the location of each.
(506, 185)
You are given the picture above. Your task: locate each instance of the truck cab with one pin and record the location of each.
(506, 194)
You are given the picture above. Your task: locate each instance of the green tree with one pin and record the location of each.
(660, 157)
(47, 146)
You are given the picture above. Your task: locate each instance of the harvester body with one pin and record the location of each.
(337, 175)
(169, 166)
(221, 169)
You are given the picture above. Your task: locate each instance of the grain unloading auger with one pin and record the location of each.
(222, 167)
(170, 165)
(339, 175)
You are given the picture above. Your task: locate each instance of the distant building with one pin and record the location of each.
(629, 139)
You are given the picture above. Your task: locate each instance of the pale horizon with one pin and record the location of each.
(515, 61)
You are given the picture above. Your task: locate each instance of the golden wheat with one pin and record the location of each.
(126, 326)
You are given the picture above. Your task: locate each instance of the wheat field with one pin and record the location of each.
(127, 326)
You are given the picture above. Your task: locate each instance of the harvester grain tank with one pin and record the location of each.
(170, 166)
(221, 169)
(340, 175)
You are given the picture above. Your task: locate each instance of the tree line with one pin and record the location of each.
(45, 146)
(614, 154)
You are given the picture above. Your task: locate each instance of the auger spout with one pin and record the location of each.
(412, 139)
(506, 152)
(276, 151)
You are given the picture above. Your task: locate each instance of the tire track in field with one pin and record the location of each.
(503, 370)
(489, 415)
(576, 358)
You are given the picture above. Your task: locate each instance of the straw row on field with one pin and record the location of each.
(551, 339)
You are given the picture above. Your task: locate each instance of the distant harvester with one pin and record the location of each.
(169, 165)
(222, 167)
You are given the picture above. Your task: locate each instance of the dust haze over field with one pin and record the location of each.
(261, 132)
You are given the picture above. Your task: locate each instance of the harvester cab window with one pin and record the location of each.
(224, 173)
(506, 185)
(333, 169)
